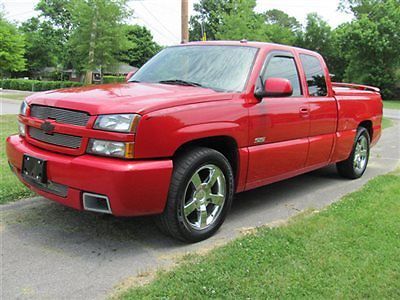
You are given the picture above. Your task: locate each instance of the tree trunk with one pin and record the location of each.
(92, 45)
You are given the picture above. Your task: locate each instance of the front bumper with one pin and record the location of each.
(133, 187)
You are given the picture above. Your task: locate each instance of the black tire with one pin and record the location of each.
(348, 168)
(174, 221)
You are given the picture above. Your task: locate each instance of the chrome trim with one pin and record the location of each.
(60, 115)
(361, 153)
(89, 200)
(59, 139)
(204, 197)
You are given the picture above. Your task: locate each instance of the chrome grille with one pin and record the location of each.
(60, 115)
(59, 139)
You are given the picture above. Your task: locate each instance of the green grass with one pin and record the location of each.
(11, 188)
(392, 104)
(386, 123)
(13, 96)
(349, 250)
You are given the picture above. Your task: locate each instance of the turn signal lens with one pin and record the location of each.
(110, 148)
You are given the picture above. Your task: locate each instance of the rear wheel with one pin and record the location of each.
(355, 166)
(200, 195)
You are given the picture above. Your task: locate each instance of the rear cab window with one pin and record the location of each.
(315, 75)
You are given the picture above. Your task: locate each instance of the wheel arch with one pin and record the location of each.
(367, 124)
(227, 145)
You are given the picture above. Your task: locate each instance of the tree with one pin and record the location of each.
(57, 15)
(240, 21)
(207, 18)
(282, 19)
(318, 36)
(143, 47)
(281, 28)
(370, 45)
(237, 19)
(358, 7)
(12, 48)
(42, 45)
(97, 33)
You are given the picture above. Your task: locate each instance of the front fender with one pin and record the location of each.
(161, 133)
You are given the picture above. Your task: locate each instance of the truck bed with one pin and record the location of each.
(348, 89)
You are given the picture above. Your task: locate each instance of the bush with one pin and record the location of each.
(36, 85)
(113, 79)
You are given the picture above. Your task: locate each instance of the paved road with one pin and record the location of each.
(9, 107)
(53, 252)
(392, 113)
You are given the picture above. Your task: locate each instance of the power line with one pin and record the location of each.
(158, 21)
(151, 27)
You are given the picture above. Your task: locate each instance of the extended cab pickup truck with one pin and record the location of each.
(196, 124)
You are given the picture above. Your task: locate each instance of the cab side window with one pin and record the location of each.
(284, 67)
(315, 75)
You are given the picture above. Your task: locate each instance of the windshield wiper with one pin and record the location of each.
(180, 82)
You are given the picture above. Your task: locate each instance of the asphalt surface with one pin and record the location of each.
(49, 251)
(392, 113)
(9, 107)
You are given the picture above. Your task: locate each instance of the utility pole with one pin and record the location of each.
(185, 21)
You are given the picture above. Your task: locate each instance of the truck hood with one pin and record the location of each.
(126, 98)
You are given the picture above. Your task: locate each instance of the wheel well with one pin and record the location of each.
(367, 125)
(224, 144)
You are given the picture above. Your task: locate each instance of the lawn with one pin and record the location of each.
(349, 250)
(11, 189)
(386, 123)
(392, 104)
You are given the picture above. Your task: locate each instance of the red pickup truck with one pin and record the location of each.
(196, 124)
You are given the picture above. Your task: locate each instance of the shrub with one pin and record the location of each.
(113, 79)
(35, 85)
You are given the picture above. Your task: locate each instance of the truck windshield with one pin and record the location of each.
(222, 68)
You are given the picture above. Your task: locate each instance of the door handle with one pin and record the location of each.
(304, 110)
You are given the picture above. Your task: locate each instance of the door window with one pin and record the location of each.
(284, 67)
(315, 75)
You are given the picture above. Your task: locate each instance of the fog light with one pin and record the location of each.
(110, 148)
(21, 128)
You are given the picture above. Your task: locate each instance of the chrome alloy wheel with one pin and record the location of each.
(205, 196)
(361, 153)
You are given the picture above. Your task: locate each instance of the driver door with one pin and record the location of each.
(278, 127)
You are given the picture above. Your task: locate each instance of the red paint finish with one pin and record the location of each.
(133, 187)
(274, 138)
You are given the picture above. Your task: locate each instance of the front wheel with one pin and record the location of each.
(200, 195)
(355, 166)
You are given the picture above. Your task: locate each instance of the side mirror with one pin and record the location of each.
(275, 87)
(129, 75)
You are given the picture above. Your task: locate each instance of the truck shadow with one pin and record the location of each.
(53, 227)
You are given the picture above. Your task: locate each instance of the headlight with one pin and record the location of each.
(21, 128)
(119, 123)
(23, 108)
(110, 148)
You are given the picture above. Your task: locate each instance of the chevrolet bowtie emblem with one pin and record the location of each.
(47, 127)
